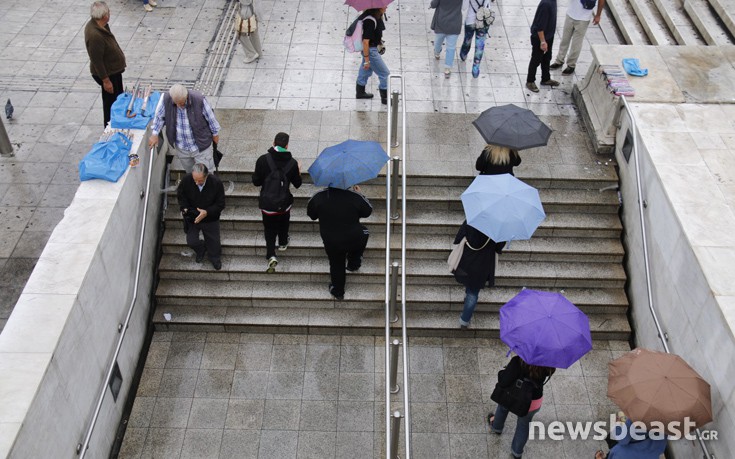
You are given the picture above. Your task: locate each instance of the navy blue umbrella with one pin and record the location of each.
(348, 163)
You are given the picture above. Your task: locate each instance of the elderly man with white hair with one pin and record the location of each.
(190, 126)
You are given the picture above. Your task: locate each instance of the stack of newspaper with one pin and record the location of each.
(617, 81)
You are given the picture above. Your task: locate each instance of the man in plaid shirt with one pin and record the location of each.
(191, 126)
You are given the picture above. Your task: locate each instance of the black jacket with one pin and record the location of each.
(513, 371)
(477, 265)
(211, 198)
(339, 212)
(281, 158)
(544, 19)
(486, 167)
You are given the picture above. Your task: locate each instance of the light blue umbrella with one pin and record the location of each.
(348, 163)
(503, 207)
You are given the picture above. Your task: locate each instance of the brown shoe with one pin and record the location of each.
(551, 83)
(532, 86)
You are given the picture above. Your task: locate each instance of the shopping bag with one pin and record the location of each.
(106, 160)
(118, 113)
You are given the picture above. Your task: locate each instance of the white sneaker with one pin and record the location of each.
(248, 60)
(148, 8)
(447, 72)
(437, 56)
(272, 263)
(152, 2)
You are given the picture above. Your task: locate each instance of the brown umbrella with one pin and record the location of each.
(655, 386)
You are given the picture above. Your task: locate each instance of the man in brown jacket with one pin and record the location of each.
(106, 59)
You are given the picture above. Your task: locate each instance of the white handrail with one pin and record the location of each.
(649, 289)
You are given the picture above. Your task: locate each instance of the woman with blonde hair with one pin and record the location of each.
(494, 160)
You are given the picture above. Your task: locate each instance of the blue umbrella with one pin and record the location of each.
(503, 207)
(348, 163)
(544, 328)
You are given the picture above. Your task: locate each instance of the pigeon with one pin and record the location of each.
(9, 109)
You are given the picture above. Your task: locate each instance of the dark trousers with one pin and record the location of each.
(538, 57)
(337, 255)
(211, 242)
(275, 225)
(107, 98)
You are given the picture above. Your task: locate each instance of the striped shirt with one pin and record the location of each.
(184, 135)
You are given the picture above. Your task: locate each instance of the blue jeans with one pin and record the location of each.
(470, 301)
(522, 428)
(451, 47)
(376, 65)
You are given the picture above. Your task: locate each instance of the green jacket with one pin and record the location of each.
(105, 56)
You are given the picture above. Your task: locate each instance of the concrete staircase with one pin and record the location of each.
(576, 250)
(675, 22)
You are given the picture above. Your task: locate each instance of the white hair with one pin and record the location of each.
(200, 168)
(178, 92)
(98, 10)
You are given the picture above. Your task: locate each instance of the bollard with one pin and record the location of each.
(395, 434)
(393, 291)
(394, 387)
(394, 189)
(6, 148)
(394, 118)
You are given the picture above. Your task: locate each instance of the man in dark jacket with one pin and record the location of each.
(276, 220)
(202, 200)
(339, 213)
(542, 39)
(106, 59)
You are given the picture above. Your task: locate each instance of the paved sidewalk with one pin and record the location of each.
(230, 395)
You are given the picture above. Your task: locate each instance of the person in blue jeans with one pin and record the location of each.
(447, 25)
(372, 59)
(518, 369)
(476, 268)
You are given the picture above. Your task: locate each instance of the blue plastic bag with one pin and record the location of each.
(106, 160)
(119, 119)
(633, 67)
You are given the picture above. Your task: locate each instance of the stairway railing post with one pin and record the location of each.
(394, 188)
(395, 434)
(393, 290)
(394, 118)
(394, 346)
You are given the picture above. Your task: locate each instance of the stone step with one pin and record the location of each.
(419, 272)
(283, 293)
(707, 22)
(425, 197)
(652, 22)
(419, 246)
(351, 321)
(628, 22)
(725, 10)
(678, 22)
(594, 225)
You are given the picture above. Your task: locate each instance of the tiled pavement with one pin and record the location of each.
(233, 395)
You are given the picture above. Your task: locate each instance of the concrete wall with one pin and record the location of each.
(691, 308)
(56, 346)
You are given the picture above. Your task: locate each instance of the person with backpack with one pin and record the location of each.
(579, 13)
(477, 22)
(533, 377)
(372, 51)
(339, 212)
(274, 172)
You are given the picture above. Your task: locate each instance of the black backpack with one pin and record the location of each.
(274, 194)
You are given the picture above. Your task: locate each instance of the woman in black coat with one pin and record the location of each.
(494, 160)
(476, 267)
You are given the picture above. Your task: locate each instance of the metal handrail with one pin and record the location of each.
(404, 336)
(649, 289)
(122, 328)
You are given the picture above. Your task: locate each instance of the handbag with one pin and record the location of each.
(246, 26)
(484, 16)
(456, 254)
(516, 397)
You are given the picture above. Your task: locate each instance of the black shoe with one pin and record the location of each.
(555, 66)
(383, 96)
(217, 265)
(361, 94)
(331, 290)
(568, 71)
(353, 269)
(200, 257)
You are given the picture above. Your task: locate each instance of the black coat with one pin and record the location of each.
(339, 212)
(211, 198)
(485, 167)
(514, 371)
(281, 158)
(477, 265)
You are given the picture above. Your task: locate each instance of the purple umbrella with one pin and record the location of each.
(545, 329)
(361, 5)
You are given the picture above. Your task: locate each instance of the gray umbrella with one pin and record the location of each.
(513, 127)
